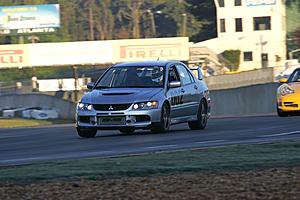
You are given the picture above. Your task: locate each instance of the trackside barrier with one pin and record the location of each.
(243, 101)
(253, 77)
(65, 109)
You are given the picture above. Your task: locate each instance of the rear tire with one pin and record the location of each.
(164, 124)
(202, 117)
(86, 133)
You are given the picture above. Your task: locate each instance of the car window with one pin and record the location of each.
(295, 77)
(173, 75)
(184, 75)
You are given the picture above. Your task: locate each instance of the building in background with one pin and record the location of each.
(255, 27)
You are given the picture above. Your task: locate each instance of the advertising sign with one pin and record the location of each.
(13, 56)
(27, 31)
(70, 53)
(152, 49)
(29, 16)
(260, 2)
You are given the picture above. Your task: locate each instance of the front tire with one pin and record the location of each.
(86, 133)
(280, 113)
(202, 117)
(164, 124)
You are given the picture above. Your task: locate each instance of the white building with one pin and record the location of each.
(255, 27)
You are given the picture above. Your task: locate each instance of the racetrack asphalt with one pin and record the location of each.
(61, 142)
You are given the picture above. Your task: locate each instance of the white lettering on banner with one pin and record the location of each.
(36, 30)
(260, 2)
(11, 56)
(141, 52)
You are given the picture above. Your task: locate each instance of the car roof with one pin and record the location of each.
(159, 63)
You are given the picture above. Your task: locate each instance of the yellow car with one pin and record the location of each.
(288, 95)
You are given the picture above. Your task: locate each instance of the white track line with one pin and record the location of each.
(162, 146)
(280, 134)
(211, 141)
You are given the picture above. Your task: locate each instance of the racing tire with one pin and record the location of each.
(164, 124)
(86, 133)
(127, 130)
(202, 117)
(280, 113)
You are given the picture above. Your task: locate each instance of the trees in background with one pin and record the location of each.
(108, 19)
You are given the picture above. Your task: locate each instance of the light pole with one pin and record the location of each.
(152, 22)
(183, 28)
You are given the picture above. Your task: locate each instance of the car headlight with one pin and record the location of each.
(145, 105)
(285, 89)
(84, 106)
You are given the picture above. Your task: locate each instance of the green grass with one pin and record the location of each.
(241, 157)
(15, 123)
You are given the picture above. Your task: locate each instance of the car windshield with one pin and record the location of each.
(133, 77)
(295, 77)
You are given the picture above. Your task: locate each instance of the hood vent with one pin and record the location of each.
(115, 94)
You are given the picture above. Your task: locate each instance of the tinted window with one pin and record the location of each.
(248, 56)
(262, 23)
(238, 25)
(222, 25)
(184, 75)
(173, 75)
(237, 2)
(221, 3)
(295, 77)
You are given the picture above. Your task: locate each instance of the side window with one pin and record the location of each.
(173, 75)
(184, 75)
(295, 77)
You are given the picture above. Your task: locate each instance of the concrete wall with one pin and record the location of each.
(250, 100)
(241, 79)
(66, 109)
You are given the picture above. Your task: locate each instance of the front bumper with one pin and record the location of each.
(289, 103)
(117, 119)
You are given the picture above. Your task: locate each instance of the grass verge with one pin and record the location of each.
(241, 157)
(17, 123)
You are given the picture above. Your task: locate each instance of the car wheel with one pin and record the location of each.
(165, 120)
(201, 121)
(127, 130)
(86, 133)
(280, 113)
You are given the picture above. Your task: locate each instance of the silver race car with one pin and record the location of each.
(144, 95)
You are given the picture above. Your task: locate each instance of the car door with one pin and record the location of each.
(189, 91)
(174, 94)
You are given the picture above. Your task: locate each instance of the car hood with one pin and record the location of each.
(120, 95)
(295, 86)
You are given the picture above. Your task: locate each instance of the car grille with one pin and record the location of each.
(290, 104)
(111, 107)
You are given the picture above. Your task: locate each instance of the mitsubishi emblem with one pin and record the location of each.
(110, 108)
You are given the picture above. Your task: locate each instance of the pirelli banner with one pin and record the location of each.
(176, 48)
(93, 52)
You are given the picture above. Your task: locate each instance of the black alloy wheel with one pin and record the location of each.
(202, 117)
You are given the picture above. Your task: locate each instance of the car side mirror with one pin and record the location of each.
(90, 85)
(197, 72)
(174, 84)
(283, 80)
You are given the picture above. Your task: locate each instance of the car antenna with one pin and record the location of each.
(158, 59)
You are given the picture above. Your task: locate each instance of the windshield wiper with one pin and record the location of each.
(102, 87)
